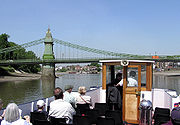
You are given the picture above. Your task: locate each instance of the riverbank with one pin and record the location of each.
(19, 77)
(29, 76)
(168, 73)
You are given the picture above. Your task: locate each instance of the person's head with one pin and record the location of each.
(119, 76)
(68, 88)
(175, 113)
(40, 104)
(58, 93)
(12, 113)
(82, 90)
(1, 104)
(132, 73)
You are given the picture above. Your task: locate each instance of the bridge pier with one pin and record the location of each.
(48, 69)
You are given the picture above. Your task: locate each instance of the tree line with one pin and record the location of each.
(18, 54)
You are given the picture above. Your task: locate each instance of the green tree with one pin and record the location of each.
(12, 54)
(30, 55)
(20, 53)
(63, 69)
(97, 65)
(3, 44)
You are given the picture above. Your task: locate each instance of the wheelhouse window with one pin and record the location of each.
(143, 75)
(132, 77)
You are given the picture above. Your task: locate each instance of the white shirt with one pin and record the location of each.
(61, 109)
(82, 99)
(68, 97)
(17, 122)
(131, 82)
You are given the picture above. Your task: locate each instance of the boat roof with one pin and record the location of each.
(140, 61)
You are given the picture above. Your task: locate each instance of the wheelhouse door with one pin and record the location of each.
(131, 93)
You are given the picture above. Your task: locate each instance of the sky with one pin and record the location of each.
(143, 27)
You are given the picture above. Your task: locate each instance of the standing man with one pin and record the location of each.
(131, 81)
(68, 97)
(61, 109)
(114, 93)
(118, 79)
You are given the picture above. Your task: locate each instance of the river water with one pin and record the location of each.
(26, 91)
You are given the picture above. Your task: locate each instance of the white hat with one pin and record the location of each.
(40, 103)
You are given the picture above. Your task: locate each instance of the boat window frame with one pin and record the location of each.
(149, 73)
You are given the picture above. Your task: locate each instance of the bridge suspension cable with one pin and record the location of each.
(25, 45)
(76, 52)
(78, 48)
(103, 52)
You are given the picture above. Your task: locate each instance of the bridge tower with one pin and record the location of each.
(48, 69)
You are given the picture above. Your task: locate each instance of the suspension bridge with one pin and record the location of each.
(57, 51)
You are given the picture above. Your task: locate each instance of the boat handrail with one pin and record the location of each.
(31, 106)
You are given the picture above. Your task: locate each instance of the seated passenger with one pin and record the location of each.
(2, 116)
(131, 81)
(82, 98)
(68, 97)
(40, 105)
(175, 114)
(61, 109)
(12, 116)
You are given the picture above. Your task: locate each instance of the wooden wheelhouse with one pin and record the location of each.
(131, 94)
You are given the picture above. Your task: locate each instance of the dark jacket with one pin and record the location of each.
(113, 96)
(44, 112)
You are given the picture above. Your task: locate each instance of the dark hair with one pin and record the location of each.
(117, 79)
(58, 93)
(132, 73)
(119, 75)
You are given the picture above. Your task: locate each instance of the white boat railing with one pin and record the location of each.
(31, 106)
(162, 98)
